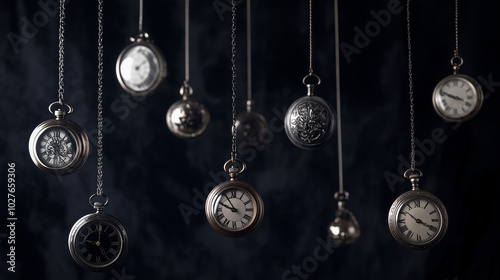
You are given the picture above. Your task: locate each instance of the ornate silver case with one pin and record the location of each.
(187, 118)
(310, 122)
(142, 40)
(59, 146)
(397, 207)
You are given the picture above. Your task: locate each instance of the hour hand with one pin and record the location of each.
(452, 96)
(228, 207)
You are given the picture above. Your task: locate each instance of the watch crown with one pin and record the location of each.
(60, 114)
(98, 206)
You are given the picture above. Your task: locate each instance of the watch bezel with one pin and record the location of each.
(398, 205)
(94, 218)
(82, 146)
(477, 92)
(162, 65)
(211, 206)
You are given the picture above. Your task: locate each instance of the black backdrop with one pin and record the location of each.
(150, 175)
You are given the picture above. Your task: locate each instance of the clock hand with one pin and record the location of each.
(230, 202)
(452, 96)
(98, 243)
(139, 65)
(419, 221)
(91, 242)
(230, 208)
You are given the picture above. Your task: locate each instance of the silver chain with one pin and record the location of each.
(249, 50)
(186, 41)
(310, 39)
(233, 81)
(456, 28)
(410, 85)
(100, 68)
(62, 17)
(337, 78)
(140, 15)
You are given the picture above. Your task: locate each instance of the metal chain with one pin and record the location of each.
(410, 85)
(100, 68)
(233, 81)
(62, 17)
(140, 15)
(310, 39)
(337, 78)
(249, 50)
(456, 28)
(186, 41)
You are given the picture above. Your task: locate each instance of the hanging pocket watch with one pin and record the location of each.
(234, 208)
(417, 219)
(59, 146)
(187, 118)
(310, 121)
(98, 241)
(457, 97)
(141, 67)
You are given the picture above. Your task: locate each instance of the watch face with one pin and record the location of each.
(98, 244)
(59, 146)
(140, 68)
(234, 209)
(418, 219)
(310, 122)
(457, 97)
(56, 147)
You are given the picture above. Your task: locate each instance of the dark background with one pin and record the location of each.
(149, 174)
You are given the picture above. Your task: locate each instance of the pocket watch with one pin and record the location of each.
(252, 129)
(457, 97)
(141, 67)
(187, 118)
(98, 241)
(59, 146)
(234, 208)
(310, 121)
(417, 219)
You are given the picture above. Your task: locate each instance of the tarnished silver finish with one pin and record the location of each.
(234, 208)
(141, 67)
(251, 128)
(59, 146)
(187, 118)
(457, 98)
(98, 241)
(310, 122)
(418, 219)
(344, 229)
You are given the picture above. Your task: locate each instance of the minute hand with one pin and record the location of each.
(451, 96)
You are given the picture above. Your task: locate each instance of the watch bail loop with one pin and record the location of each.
(99, 205)
(414, 176)
(233, 169)
(60, 113)
(341, 197)
(456, 62)
(186, 90)
(310, 86)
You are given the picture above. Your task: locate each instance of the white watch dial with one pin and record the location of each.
(139, 68)
(234, 209)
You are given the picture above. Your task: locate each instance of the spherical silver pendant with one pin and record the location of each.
(187, 118)
(344, 229)
(310, 122)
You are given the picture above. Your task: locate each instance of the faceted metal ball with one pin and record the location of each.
(187, 118)
(310, 122)
(344, 229)
(251, 130)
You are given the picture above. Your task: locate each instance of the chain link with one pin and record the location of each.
(410, 85)
(249, 50)
(62, 18)
(233, 81)
(310, 39)
(186, 41)
(100, 68)
(456, 28)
